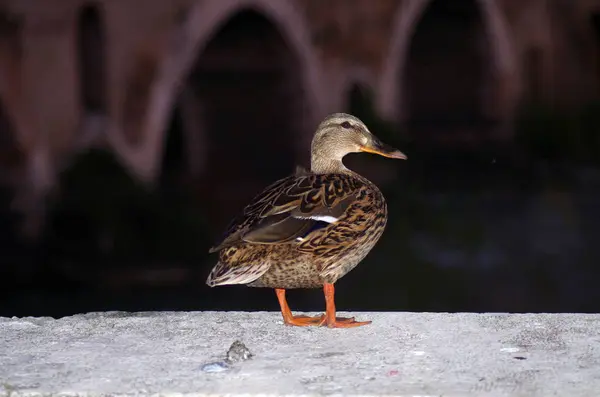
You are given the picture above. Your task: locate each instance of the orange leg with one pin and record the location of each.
(289, 319)
(330, 319)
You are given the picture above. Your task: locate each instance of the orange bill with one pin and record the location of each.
(382, 149)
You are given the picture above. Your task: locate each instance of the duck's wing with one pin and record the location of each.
(292, 208)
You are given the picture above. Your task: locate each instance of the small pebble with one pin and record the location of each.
(218, 366)
(238, 352)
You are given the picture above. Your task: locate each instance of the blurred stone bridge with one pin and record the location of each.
(206, 90)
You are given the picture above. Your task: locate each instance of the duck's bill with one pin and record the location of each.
(384, 150)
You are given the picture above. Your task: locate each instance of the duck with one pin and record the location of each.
(311, 228)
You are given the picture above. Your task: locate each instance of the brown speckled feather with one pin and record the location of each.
(280, 240)
(284, 210)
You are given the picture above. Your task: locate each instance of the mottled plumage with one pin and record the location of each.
(311, 228)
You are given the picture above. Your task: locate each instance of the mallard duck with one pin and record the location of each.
(311, 228)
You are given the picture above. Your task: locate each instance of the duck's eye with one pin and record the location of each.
(346, 125)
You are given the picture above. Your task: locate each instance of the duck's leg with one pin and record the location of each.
(289, 319)
(330, 319)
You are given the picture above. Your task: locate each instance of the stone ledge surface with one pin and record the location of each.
(184, 353)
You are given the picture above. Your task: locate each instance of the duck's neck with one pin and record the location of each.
(321, 165)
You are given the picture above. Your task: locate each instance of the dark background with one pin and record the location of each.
(475, 224)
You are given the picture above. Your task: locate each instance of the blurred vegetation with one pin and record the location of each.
(103, 215)
(560, 136)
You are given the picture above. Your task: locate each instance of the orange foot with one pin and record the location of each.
(321, 321)
(303, 321)
(325, 320)
(343, 322)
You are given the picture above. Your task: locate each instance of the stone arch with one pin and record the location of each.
(91, 49)
(392, 84)
(203, 20)
(247, 84)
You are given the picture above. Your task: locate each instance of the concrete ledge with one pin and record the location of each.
(174, 353)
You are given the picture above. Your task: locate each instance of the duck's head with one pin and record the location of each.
(340, 134)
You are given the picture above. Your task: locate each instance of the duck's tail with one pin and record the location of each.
(227, 274)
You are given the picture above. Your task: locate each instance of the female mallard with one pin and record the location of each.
(311, 228)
